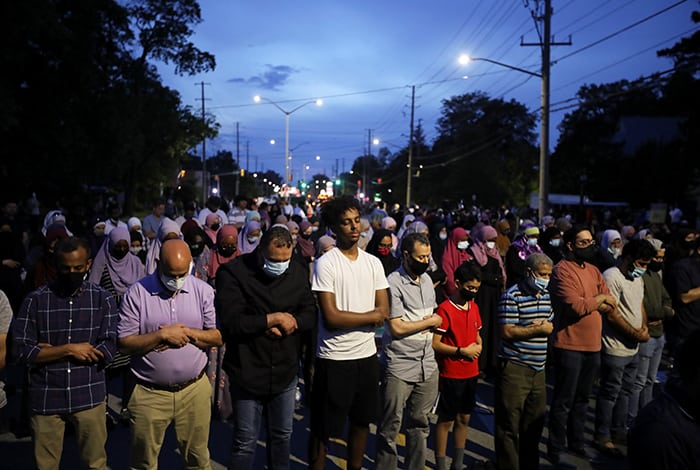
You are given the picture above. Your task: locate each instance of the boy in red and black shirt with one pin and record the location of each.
(458, 346)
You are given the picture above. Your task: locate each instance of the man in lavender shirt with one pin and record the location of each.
(166, 322)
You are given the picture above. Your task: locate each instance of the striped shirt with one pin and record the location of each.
(522, 305)
(90, 316)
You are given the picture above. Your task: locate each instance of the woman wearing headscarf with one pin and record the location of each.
(405, 223)
(168, 230)
(134, 225)
(438, 240)
(196, 239)
(324, 244)
(454, 255)
(225, 250)
(212, 224)
(525, 245)
(610, 250)
(389, 223)
(116, 269)
(249, 237)
(503, 240)
(380, 246)
(485, 253)
(306, 246)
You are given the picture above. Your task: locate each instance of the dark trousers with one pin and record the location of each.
(574, 374)
(521, 404)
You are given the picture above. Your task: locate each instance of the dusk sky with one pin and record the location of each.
(362, 57)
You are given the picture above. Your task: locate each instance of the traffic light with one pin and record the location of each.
(337, 181)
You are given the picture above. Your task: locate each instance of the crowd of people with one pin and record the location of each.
(244, 312)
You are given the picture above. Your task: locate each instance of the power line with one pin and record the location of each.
(618, 32)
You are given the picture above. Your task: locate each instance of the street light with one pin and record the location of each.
(543, 198)
(287, 113)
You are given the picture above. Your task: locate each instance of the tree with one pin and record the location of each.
(84, 108)
(485, 147)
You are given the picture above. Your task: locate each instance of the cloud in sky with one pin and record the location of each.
(273, 78)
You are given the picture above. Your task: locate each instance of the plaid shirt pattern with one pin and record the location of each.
(90, 316)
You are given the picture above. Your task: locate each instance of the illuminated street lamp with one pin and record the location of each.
(543, 197)
(287, 113)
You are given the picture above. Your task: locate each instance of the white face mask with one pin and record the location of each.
(443, 236)
(463, 245)
(490, 245)
(136, 249)
(615, 251)
(173, 284)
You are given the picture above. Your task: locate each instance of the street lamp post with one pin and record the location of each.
(287, 113)
(543, 197)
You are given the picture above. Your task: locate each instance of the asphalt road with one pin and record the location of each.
(16, 453)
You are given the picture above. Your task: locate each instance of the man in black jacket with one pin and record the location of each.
(264, 303)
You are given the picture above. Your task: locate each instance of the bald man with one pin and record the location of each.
(166, 322)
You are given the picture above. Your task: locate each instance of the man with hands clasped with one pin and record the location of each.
(65, 333)
(264, 302)
(410, 378)
(580, 298)
(525, 316)
(166, 322)
(623, 329)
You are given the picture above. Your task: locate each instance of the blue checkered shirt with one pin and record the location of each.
(90, 316)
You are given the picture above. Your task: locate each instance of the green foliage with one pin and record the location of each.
(486, 147)
(78, 104)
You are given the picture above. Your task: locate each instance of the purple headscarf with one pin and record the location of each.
(244, 246)
(123, 272)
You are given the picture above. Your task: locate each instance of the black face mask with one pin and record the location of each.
(68, 283)
(585, 254)
(227, 251)
(196, 249)
(120, 254)
(655, 266)
(416, 266)
(215, 227)
(467, 295)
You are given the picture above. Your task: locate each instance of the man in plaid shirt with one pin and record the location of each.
(65, 333)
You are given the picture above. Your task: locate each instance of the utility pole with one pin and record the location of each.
(238, 149)
(204, 146)
(364, 161)
(545, 45)
(409, 174)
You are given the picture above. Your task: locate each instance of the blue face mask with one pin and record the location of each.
(637, 272)
(532, 241)
(540, 283)
(555, 242)
(275, 268)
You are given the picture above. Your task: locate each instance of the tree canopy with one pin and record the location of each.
(82, 106)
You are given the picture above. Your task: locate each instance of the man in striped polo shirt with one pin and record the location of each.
(525, 316)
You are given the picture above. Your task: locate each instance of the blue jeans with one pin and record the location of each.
(617, 375)
(648, 360)
(574, 373)
(279, 416)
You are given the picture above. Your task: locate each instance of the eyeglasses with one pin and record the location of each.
(584, 243)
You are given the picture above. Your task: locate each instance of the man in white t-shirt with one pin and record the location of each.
(354, 302)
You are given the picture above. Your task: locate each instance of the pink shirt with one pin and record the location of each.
(147, 305)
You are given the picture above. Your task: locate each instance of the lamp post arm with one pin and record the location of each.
(512, 67)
